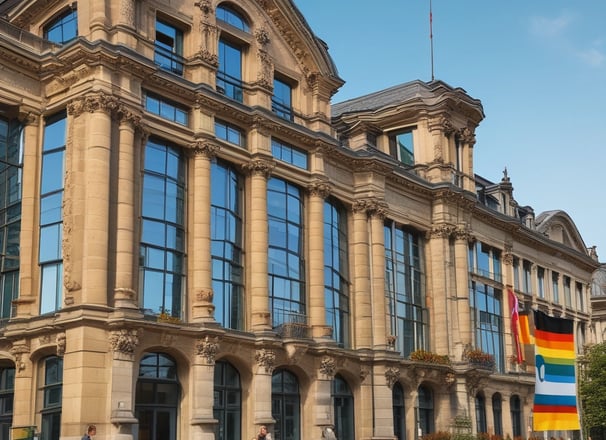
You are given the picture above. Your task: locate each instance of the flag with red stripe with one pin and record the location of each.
(555, 398)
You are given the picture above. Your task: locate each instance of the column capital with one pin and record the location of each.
(372, 206)
(259, 166)
(204, 148)
(320, 188)
(99, 101)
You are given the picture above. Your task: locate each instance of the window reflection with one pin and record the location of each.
(63, 29)
(486, 304)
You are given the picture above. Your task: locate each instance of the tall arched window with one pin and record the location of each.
(7, 394)
(516, 415)
(285, 406)
(481, 413)
(497, 413)
(227, 404)
(53, 397)
(157, 397)
(336, 272)
(226, 247)
(343, 404)
(425, 408)
(399, 412)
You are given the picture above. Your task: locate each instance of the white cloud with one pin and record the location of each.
(593, 57)
(551, 27)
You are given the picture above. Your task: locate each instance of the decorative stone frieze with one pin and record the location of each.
(392, 375)
(266, 358)
(208, 348)
(124, 340)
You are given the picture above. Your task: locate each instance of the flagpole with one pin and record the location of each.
(431, 37)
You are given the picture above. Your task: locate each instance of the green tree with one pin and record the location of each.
(592, 389)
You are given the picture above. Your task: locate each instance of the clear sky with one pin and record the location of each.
(538, 66)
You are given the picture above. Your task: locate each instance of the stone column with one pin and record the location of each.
(440, 287)
(86, 203)
(463, 310)
(99, 21)
(366, 403)
(260, 170)
(96, 158)
(126, 245)
(261, 387)
(23, 408)
(29, 221)
(123, 343)
(202, 386)
(318, 190)
(127, 24)
(322, 396)
(380, 325)
(362, 313)
(201, 279)
(385, 379)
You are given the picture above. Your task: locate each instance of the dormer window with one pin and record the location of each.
(63, 28)
(233, 18)
(401, 147)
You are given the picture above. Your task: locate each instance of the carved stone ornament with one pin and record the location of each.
(447, 126)
(208, 348)
(259, 167)
(467, 136)
(61, 342)
(124, 340)
(328, 366)
(202, 147)
(18, 351)
(266, 358)
(364, 372)
(92, 103)
(449, 379)
(205, 6)
(319, 188)
(204, 296)
(372, 207)
(441, 231)
(262, 37)
(463, 233)
(507, 258)
(392, 375)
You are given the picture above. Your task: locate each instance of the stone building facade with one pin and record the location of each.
(196, 242)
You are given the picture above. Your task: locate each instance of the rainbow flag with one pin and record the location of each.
(555, 396)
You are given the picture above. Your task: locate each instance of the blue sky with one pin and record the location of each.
(539, 68)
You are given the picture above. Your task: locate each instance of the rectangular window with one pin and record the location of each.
(541, 281)
(527, 269)
(487, 313)
(229, 75)
(281, 101)
(63, 28)
(289, 154)
(516, 273)
(168, 52)
(166, 109)
(555, 281)
(162, 252)
(405, 289)
(567, 292)
(579, 293)
(50, 255)
(11, 157)
(401, 147)
(229, 133)
(485, 261)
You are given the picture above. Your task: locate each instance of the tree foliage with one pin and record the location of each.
(592, 387)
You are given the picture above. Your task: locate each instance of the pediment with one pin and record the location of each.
(558, 226)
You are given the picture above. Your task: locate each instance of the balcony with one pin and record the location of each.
(291, 325)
